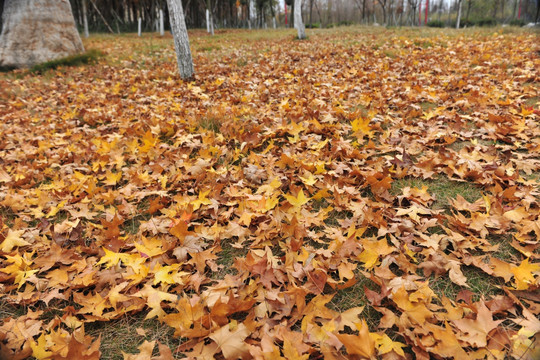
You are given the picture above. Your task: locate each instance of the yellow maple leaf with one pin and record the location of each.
(13, 239)
(112, 178)
(385, 344)
(524, 274)
(54, 210)
(39, 348)
(111, 258)
(298, 200)
(372, 249)
(361, 128)
(290, 352)
(361, 344)
(201, 200)
(309, 179)
(230, 339)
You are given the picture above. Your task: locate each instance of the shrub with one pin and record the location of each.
(517, 22)
(436, 24)
(89, 57)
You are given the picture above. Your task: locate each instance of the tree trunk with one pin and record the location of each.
(468, 11)
(311, 13)
(252, 13)
(458, 14)
(35, 31)
(298, 19)
(181, 39)
(1, 10)
(85, 19)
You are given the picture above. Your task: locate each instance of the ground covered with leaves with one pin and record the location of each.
(367, 193)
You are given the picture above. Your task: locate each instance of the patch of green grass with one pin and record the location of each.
(443, 286)
(441, 188)
(210, 123)
(7, 68)
(208, 48)
(480, 284)
(530, 102)
(506, 252)
(241, 62)
(424, 44)
(89, 57)
(426, 105)
(355, 296)
(392, 54)
(226, 258)
(335, 216)
(131, 226)
(9, 310)
(121, 335)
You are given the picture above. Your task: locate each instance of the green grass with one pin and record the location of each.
(480, 284)
(441, 188)
(121, 335)
(210, 123)
(505, 252)
(355, 296)
(226, 258)
(89, 57)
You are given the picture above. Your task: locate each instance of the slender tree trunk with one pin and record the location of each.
(298, 19)
(102, 17)
(35, 31)
(252, 13)
(468, 11)
(311, 13)
(458, 14)
(85, 19)
(363, 10)
(181, 39)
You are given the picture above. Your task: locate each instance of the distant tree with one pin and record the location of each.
(458, 14)
(181, 39)
(36, 31)
(298, 23)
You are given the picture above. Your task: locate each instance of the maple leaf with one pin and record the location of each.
(415, 310)
(478, 329)
(12, 240)
(39, 350)
(201, 200)
(145, 351)
(291, 352)
(385, 345)
(230, 339)
(298, 200)
(361, 128)
(361, 344)
(524, 274)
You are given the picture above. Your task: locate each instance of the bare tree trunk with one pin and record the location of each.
(35, 31)
(102, 17)
(458, 14)
(468, 11)
(181, 39)
(252, 13)
(298, 19)
(85, 19)
(311, 13)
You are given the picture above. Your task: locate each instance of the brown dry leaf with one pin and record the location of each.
(231, 342)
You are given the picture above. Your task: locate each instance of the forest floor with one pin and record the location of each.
(365, 193)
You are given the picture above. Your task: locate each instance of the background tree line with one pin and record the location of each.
(123, 15)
